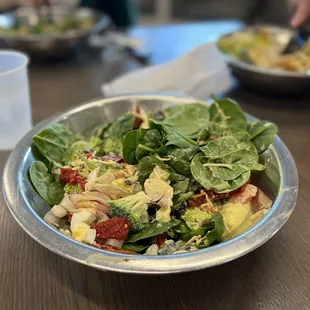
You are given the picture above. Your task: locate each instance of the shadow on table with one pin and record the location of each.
(222, 286)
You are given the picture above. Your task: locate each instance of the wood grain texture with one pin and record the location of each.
(273, 277)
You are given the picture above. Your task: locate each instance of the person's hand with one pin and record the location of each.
(302, 12)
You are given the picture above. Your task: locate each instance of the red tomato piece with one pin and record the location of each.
(160, 240)
(196, 202)
(70, 176)
(114, 228)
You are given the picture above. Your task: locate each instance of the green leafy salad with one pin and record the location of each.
(171, 182)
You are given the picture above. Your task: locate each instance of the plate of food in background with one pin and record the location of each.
(258, 58)
(50, 32)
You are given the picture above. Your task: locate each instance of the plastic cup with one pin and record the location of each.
(15, 110)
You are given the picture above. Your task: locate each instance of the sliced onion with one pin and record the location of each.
(115, 243)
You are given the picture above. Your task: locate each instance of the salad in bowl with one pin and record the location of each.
(171, 182)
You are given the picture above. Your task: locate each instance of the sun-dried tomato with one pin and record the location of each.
(70, 176)
(215, 196)
(160, 240)
(114, 228)
(67, 175)
(197, 201)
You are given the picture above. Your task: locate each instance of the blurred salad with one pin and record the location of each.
(169, 183)
(263, 48)
(45, 27)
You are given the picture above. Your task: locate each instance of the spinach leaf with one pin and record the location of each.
(199, 232)
(259, 167)
(262, 134)
(41, 179)
(182, 228)
(217, 231)
(114, 134)
(231, 166)
(120, 127)
(150, 143)
(179, 198)
(216, 149)
(55, 193)
(130, 144)
(101, 131)
(54, 143)
(187, 119)
(37, 155)
(147, 164)
(204, 176)
(174, 177)
(172, 136)
(135, 247)
(180, 166)
(214, 131)
(152, 230)
(227, 113)
(181, 187)
(186, 154)
(238, 182)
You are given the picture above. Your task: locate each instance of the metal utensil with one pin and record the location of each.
(279, 181)
(296, 43)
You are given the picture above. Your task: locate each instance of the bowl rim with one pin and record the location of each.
(255, 69)
(218, 254)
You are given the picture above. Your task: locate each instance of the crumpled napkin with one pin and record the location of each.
(199, 73)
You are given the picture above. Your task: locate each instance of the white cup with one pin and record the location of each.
(15, 110)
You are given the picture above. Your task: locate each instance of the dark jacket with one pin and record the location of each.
(122, 12)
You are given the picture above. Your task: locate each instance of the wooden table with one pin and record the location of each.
(275, 276)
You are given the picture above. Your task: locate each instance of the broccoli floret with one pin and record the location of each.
(72, 188)
(196, 218)
(112, 146)
(95, 143)
(133, 207)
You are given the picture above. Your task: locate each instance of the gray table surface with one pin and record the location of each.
(275, 276)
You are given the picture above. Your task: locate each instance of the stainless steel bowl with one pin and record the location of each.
(50, 45)
(269, 80)
(280, 182)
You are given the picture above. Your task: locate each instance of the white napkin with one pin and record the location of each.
(199, 73)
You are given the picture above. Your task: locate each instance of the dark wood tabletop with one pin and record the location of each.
(275, 277)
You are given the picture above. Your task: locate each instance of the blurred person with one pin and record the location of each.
(122, 12)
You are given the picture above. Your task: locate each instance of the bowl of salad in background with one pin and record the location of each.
(255, 55)
(50, 32)
(151, 183)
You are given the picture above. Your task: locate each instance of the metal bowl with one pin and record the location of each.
(269, 80)
(50, 45)
(280, 182)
